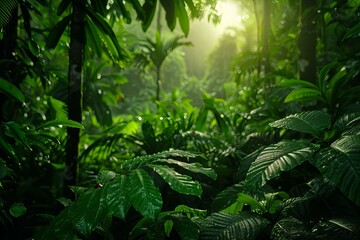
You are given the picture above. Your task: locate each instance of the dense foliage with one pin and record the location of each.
(104, 134)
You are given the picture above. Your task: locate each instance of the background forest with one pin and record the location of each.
(145, 119)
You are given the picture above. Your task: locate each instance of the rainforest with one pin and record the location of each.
(180, 119)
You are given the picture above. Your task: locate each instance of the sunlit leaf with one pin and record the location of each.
(303, 94)
(193, 167)
(178, 182)
(182, 16)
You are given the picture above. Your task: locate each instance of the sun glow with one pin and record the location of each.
(230, 16)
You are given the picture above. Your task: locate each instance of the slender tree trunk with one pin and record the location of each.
(307, 41)
(258, 34)
(7, 47)
(76, 59)
(265, 42)
(158, 83)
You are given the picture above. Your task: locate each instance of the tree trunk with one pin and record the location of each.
(7, 47)
(74, 102)
(265, 44)
(158, 83)
(307, 41)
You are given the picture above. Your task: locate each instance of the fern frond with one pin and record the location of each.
(6, 9)
(278, 158)
(232, 226)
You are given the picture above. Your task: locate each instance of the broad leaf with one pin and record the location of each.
(11, 90)
(340, 164)
(303, 94)
(178, 182)
(241, 201)
(186, 228)
(287, 228)
(17, 209)
(313, 122)
(117, 196)
(232, 226)
(144, 195)
(277, 158)
(193, 167)
(57, 31)
(88, 210)
(182, 16)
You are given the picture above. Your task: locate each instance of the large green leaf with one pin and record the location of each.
(144, 195)
(117, 196)
(57, 31)
(287, 228)
(182, 15)
(303, 95)
(193, 167)
(11, 90)
(186, 228)
(312, 122)
(340, 164)
(88, 211)
(138, 161)
(277, 158)
(178, 182)
(232, 226)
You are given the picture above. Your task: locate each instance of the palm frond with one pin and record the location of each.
(232, 226)
(7, 7)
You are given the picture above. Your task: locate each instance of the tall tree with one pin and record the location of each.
(307, 40)
(75, 82)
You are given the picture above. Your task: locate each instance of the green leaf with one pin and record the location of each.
(168, 226)
(17, 209)
(187, 229)
(303, 94)
(312, 122)
(169, 13)
(18, 133)
(340, 164)
(288, 227)
(64, 4)
(232, 226)
(193, 167)
(150, 8)
(105, 28)
(57, 31)
(144, 196)
(88, 210)
(353, 32)
(61, 123)
(297, 83)
(105, 176)
(277, 158)
(243, 199)
(33, 47)
(182, 16)
(93, 37)
(178, 182)
(117, 197)
(11, 90)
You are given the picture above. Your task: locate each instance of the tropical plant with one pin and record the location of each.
(115, 193)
